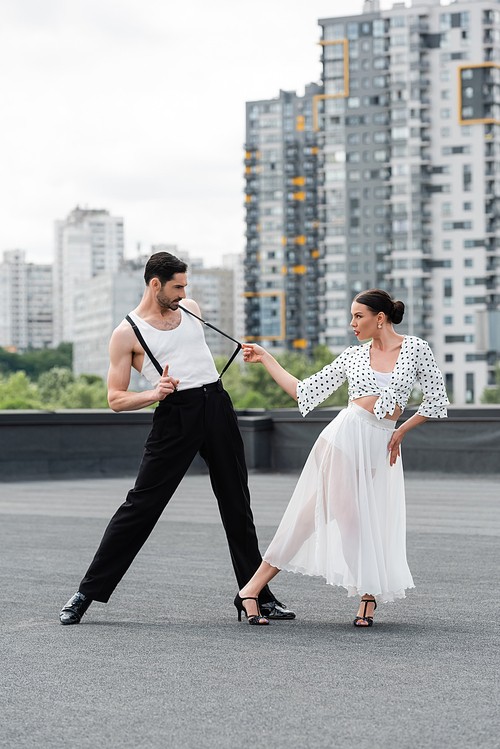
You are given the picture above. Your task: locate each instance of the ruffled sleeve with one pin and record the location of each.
(315, 389)
(431, 381)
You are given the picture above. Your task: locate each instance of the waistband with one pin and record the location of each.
(387, 424)
(183, 396)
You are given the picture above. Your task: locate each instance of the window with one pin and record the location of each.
(445, 114)
(379, 81)
(446, 209)
(444, 75)
(354, 249)
(354, 176)
(448, 320)
(448, 292)
(353, 102)
(469, 384)
(445, 132)
(399, 133)
(445, 94)
(333, 31)
(380, 137)
(468, 262)
(366, 138)
(445, 21)
(466, 130)
(467, 206)
(353, 84)
(467, 177)
(353, 156)
(378, 27)
(353, 139)
(447, 244)
(380, 155)
(469, 319)
(352, 30)
(451, 225)
(448, 380)
(448, 357)
(379, 63)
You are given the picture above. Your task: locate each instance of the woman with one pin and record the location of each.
(346, 519)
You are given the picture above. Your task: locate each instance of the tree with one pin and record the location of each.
(36, 361)
(17, 392)
(492, 395)
(59, 388)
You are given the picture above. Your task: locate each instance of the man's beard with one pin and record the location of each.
(166, 303)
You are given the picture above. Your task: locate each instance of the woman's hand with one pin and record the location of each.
(253, 353)
(394, 444)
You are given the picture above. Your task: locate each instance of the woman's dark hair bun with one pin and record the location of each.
(380, 301)
(398, 310)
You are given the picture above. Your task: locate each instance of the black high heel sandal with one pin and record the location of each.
(365, 618)
(255, 618)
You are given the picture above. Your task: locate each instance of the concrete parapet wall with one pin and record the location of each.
(39, 444)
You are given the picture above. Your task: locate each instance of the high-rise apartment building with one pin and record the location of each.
(25, 302)
(408, 132)
(281, 259)
(87, 243)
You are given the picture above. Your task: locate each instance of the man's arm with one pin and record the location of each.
(121, 350)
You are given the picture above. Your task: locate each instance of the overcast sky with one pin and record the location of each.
(137, 106)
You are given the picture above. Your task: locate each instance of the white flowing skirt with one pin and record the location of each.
(346, 520)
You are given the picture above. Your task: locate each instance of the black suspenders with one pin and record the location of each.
(144, 344)
(155, 362)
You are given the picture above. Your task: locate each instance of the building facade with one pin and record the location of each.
(281, 257)
(407, 128)
(88, 243)
(26, 306)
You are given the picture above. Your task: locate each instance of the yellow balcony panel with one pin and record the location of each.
(300, 122)
(314, 253)
(259, 227)
(284, 270)
(300, 240)
(248, 170)
(315, 150)
(299, 181)
(299, 269)
(258, 256)
(283, 240)
(249, 199)
(299, 196)
(248, 154)
(257, 154)
(300, 343)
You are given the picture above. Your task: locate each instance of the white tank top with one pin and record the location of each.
(382, 378)
(184, 349)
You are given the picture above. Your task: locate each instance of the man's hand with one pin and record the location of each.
(166, 385)
(253, 353)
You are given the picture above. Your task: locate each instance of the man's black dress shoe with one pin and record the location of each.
(73, 611)
(276, 610)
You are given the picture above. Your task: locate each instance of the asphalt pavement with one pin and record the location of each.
(166, 664)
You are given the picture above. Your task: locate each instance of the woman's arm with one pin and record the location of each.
(252, 353)
(399, 433)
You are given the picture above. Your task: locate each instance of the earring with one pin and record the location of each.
(379, 326)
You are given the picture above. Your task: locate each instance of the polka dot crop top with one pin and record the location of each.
(416, 363)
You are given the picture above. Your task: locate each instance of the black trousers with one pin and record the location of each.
(186, 422)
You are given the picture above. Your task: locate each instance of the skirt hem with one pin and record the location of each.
(386, 596)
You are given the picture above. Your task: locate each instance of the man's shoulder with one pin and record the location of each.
(123, 335)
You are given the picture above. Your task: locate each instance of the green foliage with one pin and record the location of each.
(16, 391)
(250, 385)
(492, 395)
(37, 361)
(57, 388)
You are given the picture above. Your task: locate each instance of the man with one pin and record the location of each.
(194, 414)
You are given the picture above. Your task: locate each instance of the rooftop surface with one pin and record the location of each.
(166, 662)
